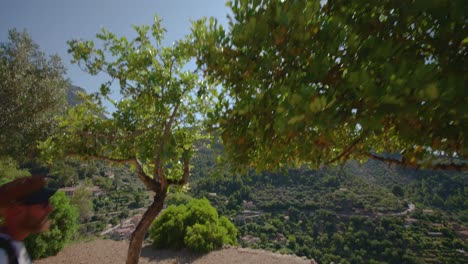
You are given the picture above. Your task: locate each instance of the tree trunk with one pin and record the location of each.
(136, 241)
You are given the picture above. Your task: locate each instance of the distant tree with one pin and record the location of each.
(64, 224)
(32, 93)
(302, 82)
(398, 191)
(82, 200)
(293, 213)
(64, 173)
(104, 183)
(140, 199)
(154, 124)
(124, 214)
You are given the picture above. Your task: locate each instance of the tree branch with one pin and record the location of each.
(440, 166)
(186, 173)
(346, 152)
(158, 170)
(149, 182)
(131, 135)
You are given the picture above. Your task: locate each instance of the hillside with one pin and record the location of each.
(359, 213)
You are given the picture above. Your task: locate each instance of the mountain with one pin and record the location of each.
(73, 97)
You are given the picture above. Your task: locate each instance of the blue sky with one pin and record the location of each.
(53, 22)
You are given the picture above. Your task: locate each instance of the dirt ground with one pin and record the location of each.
(111, 252)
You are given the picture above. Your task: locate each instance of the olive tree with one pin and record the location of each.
(32, 92)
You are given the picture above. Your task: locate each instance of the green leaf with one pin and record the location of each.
(465, 41)
(432, 91)
(296, 119)
(295, 98)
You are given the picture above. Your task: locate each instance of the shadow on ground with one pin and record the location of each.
(181, 256)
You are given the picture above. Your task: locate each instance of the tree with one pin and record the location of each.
(32, 92)
(155, 122)
(65, 173)
(398, 191)
(83, 200)
(64, 223)
(320, 84)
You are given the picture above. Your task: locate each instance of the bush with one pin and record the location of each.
(203, 238)
(178, 198)
(64, 223)
(195, 225)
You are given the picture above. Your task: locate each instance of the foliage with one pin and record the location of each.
(32, 92)
(64, 172)
(195, 225)
(398, 191)
(82, 200)
(155, 122)
(345, 215)
(74, 95)
(124, 192)
(446, 191)
(302, 189)
(305, 82)
(64, 224)
(9, 170)
(177, 198)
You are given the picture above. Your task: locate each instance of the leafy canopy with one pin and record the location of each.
(32, 92)
(305, 82)
(157, 117)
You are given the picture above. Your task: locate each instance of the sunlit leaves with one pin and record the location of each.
(158, 116)
(310, 83)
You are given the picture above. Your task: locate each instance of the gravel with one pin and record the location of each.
(111, 252)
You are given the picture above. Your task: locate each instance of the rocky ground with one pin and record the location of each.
(112, 252)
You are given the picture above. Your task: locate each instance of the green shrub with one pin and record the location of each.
(177, 198)
(168, 230)
(204, 238)
(64, 223)
(195, 225)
